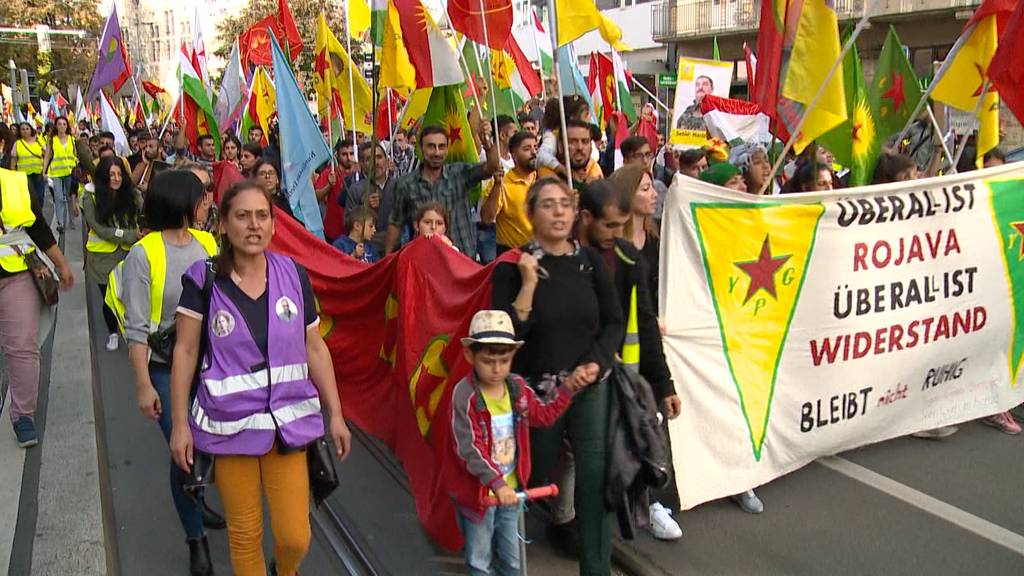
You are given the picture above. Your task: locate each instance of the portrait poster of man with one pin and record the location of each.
(697, 77)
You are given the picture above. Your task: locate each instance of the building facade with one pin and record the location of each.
(927, 28)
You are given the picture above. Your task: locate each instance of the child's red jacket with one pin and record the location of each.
(470, 473)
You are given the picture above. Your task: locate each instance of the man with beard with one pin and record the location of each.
(604, 211)
(448, 184)
(329, 185)
(506, 204)
(380, 199)
(692, 118)
(149, 151)
(584, 169)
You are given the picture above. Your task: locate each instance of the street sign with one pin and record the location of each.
(667, 80)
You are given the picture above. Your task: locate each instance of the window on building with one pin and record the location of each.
(609, 4)
(168, 23)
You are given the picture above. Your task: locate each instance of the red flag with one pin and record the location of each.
(290, 39)
(469, 17)
(1007, 67)
(748, 56)
(393, 330)
(225, 173)
(387, 110)
(769, 60)
(152, 89)
(254, 43)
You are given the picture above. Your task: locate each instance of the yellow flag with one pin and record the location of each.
(577, 17)
(502, 69)
(266, 98)
(358, 19)
(331, 79)
(816, 48)
(756, 258)
(417, 106)
(964, 80)
(396, 71)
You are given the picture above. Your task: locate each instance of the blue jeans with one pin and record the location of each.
(495, 536)
(486, 244)
(61, 193)
(190, 512)
(37, 187)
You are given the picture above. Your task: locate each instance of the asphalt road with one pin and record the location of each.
(907, 507)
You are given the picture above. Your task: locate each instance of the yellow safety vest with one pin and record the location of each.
(631, 344)
(97, 244)
(30, 157)
(64, 158)
(153, 245)
(17, 215)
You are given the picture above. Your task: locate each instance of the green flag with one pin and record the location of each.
(476, 78)
(716, 55)
(447, 110)
(854, 143)
(895, 91)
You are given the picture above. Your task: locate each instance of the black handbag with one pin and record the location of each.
(323, 476)
(202, 473)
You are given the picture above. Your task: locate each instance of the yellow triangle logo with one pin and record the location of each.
(756, 259)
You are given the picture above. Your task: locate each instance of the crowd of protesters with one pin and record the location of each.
(579, 298)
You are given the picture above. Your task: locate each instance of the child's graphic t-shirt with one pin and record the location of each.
(503, 451)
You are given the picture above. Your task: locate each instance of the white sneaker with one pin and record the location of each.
(112, 342)
(662, 526)
(749, 502)
(934, 433)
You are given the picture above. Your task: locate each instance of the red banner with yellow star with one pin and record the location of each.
(393, 330)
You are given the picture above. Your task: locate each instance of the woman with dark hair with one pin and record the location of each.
(61, 158)
(112, 213)
(258, 400)
(249, 155)
(894, 168)
(149, 286)
(27, 156)
(230, 149)
(563, 304)
(7, 139)
(636, 184)
(810, 176)
(267, 173)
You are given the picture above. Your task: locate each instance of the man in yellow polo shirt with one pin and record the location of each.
(506, 203)
(584, 169)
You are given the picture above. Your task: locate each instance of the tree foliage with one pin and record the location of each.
(71, 60)
(305, 12)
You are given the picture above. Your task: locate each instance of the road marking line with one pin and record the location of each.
(979, 526)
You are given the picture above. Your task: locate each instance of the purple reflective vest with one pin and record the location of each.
(244, 400)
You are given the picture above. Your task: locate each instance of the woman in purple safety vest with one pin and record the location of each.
(258, 402)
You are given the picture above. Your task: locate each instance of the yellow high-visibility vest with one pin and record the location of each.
(17, 215)
(30, 157)
(153, 245)
(64, 158)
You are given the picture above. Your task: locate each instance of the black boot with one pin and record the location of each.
(213, 520)
(199, 563)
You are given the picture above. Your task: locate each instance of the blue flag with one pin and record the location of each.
(570, 75)
(303, 148)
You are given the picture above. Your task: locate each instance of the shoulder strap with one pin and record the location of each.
(207, 295)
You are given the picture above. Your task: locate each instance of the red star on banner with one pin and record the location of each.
(320, 65)
(1019, 227)
(984, 76)
(454, 134)
(895, 92)
(762, 271)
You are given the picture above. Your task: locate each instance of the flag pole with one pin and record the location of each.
(401, 118)
(946, 64)
(938, 133)
(861, 25)
(351, 83)
(465, 70)
(536, 47)
(490, 80)
(553, 30)
(648, 92)
(391, 124)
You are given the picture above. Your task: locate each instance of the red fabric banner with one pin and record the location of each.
(393, 329)
(471, 16)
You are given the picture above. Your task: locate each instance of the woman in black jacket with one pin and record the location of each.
(564, 306)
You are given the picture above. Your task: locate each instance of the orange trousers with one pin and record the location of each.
(284, 479)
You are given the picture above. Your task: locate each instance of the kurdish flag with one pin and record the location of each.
(262, 103)
(855, 143)
(895, 91)
(447, 110)
(432, 57)
(200, 118)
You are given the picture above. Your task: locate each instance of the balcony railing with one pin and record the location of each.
(680, 19)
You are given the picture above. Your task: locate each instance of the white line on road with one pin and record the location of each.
(987, 530)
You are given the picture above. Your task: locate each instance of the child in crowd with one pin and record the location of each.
(362, 225)
(491, 411)
(432, 219)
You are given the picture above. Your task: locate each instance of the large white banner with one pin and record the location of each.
(805, 325)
